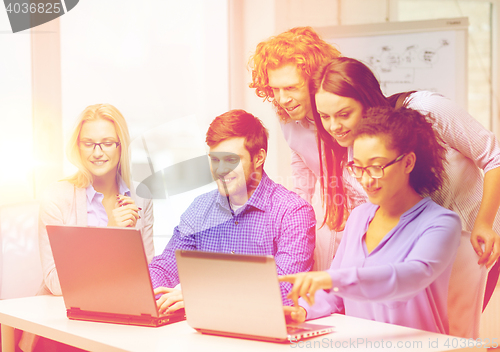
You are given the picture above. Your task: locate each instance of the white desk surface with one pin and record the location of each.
(46, 316)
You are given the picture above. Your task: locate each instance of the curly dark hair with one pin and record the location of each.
(406, 131)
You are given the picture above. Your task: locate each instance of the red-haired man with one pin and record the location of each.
(281, 68)
(248, 214)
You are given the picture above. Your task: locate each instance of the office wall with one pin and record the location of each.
(16, 178)
(164, 66)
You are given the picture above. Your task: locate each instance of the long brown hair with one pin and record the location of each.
(349, 78)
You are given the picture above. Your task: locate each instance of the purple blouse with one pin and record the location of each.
(96, 214)
(404, 280)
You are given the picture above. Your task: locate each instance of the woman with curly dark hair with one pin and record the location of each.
(395, 259)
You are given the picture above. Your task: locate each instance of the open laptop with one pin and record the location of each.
(104, 275)
(237, 296)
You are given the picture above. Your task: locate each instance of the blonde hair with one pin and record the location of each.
(83, 178)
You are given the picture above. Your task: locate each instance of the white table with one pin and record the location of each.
(46, 316)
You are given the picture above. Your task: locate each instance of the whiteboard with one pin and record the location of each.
(417, 55)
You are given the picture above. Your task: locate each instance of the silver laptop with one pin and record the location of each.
(237, 296)
(104, 275)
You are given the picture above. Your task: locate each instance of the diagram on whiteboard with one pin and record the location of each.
(403, 62)
(403, 67)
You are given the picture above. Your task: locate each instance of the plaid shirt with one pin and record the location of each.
(274, 221)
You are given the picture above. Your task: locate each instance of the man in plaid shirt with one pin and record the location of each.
(248, 214)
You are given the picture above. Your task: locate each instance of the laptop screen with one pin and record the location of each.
(238, 294)
(102, 269)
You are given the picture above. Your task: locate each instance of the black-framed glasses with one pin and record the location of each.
(105, 146)
(374, 171)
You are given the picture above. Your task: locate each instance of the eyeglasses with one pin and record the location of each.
(105, 146)
(374, 171)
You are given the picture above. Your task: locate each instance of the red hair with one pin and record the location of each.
(300, 46)
(238, 123)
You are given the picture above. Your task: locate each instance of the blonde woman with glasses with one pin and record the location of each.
(100, 193)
